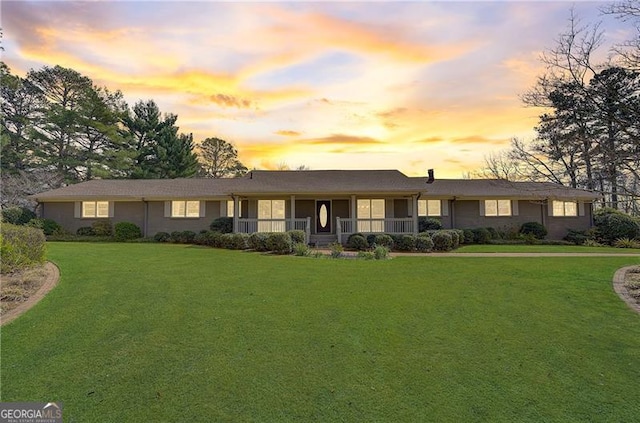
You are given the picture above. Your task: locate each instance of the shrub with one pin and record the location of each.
(461, 238)
(493, 233)
(406, 243)
(613, 224)
(301, 249)
(626, 243)
(224, 225)
(576, 237)
(297, 236)
(336, 249)
(102, 227)
(468, 236)
(20, 247)
(455, 238)
(384, 240)
(175, 236)
(424, 244)
(258, 241)
(234, 241)
(428, 224)
(534, 228)
(17, 215)
(357, 242)
(381, 252)
(124, 231)
(85, 231)
(279, 243)
(481, 236)
(48, 226)
(371, 239)
(365, 255)
(442, 241)
(162, 237)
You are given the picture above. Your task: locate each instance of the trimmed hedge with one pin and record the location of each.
(424, 243)
(442, 241)
(258, 241)
(357, 242)
(48, 226)
(123, 231)
(279, 243)
(535, 229)
(297, 236)
(428, 224)
(224, 225)
(102, 227)
(162, 237)
(20, 247)
(17, 215)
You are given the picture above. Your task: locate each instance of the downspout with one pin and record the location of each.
(145, 218)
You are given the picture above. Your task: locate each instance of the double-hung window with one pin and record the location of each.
(429, 208)
(271, 216)
(497, 208)
(95, 209)
(183, 208)
(370, 215)
(565, 208)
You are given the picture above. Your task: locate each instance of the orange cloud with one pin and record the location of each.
(287, 133)
(342, 139)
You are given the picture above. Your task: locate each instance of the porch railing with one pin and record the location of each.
(348, 226)
(249, 226)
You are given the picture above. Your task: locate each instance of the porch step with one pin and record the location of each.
(322, 240)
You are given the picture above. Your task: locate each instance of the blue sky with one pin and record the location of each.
(351, 85)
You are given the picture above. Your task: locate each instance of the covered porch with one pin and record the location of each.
(330, 218)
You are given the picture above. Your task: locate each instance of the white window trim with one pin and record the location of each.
(270, 223)
(185, 206)
(368, 223)
(96, 209)
(428, 211)
(576, 208)
(497, 205)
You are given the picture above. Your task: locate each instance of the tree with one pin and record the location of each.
(629, 50)
(19, 107)
(157, 149)
(219, 159)
(174, 156)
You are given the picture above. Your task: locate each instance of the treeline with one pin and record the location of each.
(589, 135)
(59, 128)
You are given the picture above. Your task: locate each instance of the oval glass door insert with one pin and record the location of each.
(323, 216)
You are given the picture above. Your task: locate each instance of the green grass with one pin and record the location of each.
(525, 248)
(149, 332)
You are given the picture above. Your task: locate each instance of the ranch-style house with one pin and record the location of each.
(327, 205)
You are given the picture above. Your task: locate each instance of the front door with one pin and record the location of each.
(323, 216)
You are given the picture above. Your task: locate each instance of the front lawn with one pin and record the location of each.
(525, 248)
(151, 332)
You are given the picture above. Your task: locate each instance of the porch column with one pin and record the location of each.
(354, 214)
(236, 213)
(293, 212)
(414, 208)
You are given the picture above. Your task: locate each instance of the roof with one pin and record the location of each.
(498, 188)
(319, 182)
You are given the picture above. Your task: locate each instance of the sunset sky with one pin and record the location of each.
(329, 85)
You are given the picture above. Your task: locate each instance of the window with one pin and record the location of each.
(95, 209)
(429, 208)
(271, 216)
(185, 209)
(370, 215)
(230, 208)
(565, 208)
(497, 207)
